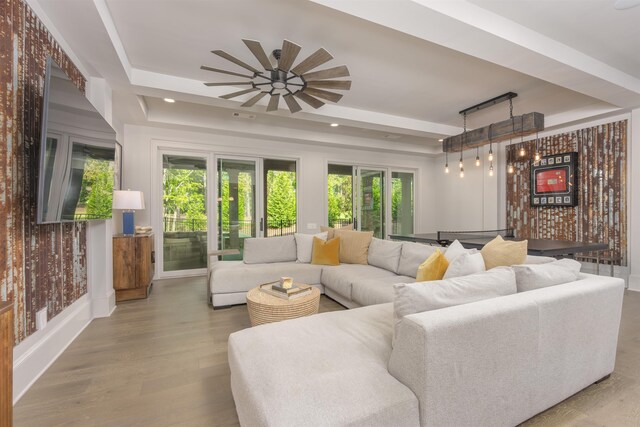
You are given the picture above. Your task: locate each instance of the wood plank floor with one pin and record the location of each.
(163, 362)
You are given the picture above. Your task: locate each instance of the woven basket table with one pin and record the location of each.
(265, 308)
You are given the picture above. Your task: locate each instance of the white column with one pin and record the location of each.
(100, 268)
(633, 207)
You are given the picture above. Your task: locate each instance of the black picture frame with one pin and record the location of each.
(554, 181)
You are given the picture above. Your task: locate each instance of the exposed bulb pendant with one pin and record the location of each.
(510, 170)
(522, 151)
(462, 141)
(537, 156)
(490, 144)
(446, 168)
(490, 154)
(477, 156)
(461, 172)
(491, 169)
(446, 162)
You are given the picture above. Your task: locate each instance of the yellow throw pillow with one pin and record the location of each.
(330, 230)
(504, 252)
(354, 246)
(325, 252)
(433, 268)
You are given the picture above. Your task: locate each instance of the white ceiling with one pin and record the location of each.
(414, 64)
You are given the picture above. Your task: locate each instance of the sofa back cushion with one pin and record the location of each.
(385, 254)
(354, 246)
(304, 245)
(425, 296)
(270, 249)
(411, 256)
(536, 276)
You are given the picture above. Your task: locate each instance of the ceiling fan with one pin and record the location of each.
(280, 79)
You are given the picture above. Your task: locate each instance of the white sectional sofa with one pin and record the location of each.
(495, 362)
(352, 285)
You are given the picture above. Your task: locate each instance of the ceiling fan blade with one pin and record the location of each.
(329, 73)
(273, 102)
(330, 96)
(330, 84)
(316, 59)
(228, 84)
(231, 73)
(315, 103)
(255, 99)
(242, 92)
(293, 105)
(225, 55)
(256, 48)
(288, 54)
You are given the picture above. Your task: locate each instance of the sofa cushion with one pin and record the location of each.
(500, 252)
(433, 268)
(330, 231)
(536, 259)
(270, 249)
(536, 276)
(418, 297)
(412, 255)
(340, 278)
(330, 369)
(464, 264)
(354, 246)
(376, 291)
(235, 276)
(304, 245)
(326, 252)
(385, 254)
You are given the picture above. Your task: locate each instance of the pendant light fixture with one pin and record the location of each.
(477, 156)
(490, 152)
(462, 141)
(537, 156)
(513, 130)
(522, 150)
(446, 162)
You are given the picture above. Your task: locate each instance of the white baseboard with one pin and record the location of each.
(634, 282)
(38, 351)
(103, 306)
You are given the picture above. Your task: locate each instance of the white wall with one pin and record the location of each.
(634, 202)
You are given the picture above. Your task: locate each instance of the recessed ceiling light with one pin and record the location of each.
(169, 100)
(334, 125)
(441, 139)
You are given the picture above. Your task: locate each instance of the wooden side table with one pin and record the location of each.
(133, 265)
(265, 308)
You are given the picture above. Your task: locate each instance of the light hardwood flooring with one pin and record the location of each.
(163, 362)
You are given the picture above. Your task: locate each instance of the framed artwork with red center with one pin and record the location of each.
(554, 180)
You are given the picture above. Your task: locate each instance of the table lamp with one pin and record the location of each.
(128, 201)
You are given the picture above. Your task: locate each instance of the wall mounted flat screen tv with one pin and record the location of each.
(554, 180)
(79, 157)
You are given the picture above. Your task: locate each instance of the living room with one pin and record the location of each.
(412, 83)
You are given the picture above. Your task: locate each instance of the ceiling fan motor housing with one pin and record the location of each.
(278, 79)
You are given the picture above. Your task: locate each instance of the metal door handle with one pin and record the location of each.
(261, 224)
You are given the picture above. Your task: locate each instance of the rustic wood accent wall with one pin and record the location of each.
(601, 214)
(40, 265)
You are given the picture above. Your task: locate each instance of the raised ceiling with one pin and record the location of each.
(414, 64)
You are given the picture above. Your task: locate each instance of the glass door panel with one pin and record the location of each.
(184, 239)
(402, 203)
(340, 195)
(371, 204)
(280, 200)
(237, 218)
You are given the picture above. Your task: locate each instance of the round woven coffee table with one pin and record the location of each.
(265, 308)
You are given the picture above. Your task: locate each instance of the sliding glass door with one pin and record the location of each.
(360, 195)
(280, 197)
(184, 212)
(237, 211)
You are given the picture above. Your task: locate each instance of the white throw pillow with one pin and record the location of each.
(465, 264)
(425, 296)
(536, 276)
(454, 250)
(304, 245)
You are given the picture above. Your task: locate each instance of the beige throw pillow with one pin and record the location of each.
(330, 231)
(354, 246)
(500, 252)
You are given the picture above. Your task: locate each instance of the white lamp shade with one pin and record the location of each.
(128, 200)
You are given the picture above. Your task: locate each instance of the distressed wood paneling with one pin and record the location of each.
(601, 214)
(40, 265)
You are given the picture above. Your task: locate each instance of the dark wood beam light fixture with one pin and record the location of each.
(514, 126)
